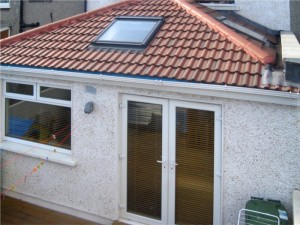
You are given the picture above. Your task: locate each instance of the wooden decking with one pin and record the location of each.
(15, 211)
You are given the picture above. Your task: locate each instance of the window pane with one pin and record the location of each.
(56, 93)
(4, 1)
(23, 89)
(195, 170)
(128, 31)
(144, 149)
(4, 34)
(38, 123)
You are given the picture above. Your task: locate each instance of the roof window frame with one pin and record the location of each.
(126, 45)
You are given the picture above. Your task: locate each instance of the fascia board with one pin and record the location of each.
(211, 90)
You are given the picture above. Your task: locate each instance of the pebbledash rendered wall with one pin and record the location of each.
(260, 153)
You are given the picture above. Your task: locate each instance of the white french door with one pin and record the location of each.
(170, 161)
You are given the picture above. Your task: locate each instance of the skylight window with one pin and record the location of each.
(129, 33)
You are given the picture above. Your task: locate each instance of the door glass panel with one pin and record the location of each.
(195, 169)
(144, 148)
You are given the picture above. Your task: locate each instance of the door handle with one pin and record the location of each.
(161, 161)
(173, 163)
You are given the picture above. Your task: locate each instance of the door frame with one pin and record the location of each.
(165, 142)
(168, 126)
(217, 216)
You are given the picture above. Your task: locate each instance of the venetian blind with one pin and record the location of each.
(195, 169)
(144, 149)
(38, 122)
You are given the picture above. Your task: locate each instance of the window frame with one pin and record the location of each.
(20, 96)
(37, 99)
(52, 100)
(2, 29)
(126, 44)
(220, 6)
(5, 5)
(215, 1)
(40, 1)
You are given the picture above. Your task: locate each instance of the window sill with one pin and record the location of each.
(221, 6)
(4, 5)
(40, 153)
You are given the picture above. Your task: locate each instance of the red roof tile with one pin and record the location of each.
(191, 46)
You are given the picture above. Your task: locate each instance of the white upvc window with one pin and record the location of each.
(219, 4)
(4, 4)
(216, 1)
(38, 115)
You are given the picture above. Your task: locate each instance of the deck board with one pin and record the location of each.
(14, 211)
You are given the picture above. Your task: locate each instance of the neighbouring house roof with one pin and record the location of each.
(262, 36)
(190, 46)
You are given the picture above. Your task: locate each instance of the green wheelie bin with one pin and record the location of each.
(265, 209)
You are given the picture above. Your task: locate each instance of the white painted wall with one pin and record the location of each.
(260, 158)
(94, 4)
(274, 14)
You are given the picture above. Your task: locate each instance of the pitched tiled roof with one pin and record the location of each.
(190, 46)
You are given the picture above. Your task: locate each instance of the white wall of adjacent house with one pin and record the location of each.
(260, 152)
(274, 14)
(95, 4)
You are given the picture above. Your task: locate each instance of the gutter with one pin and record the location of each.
(221, 91)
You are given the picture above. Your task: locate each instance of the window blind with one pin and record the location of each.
(143, 150)
(195, 169)
(38, 122)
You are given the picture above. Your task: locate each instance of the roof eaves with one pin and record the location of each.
(250, 48)
(63, 22)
